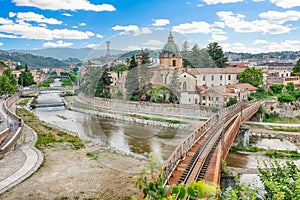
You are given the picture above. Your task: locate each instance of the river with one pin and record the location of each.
(140, 140)
(128, 137)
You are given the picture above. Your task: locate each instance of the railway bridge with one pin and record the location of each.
(200, 155)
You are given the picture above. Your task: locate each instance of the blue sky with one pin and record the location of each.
(237, 25)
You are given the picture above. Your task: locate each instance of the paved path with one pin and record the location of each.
(272, 124)
(33, 159)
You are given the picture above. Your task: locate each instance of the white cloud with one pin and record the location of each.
(12, 14)
(291, 45)
(153, 43)
(28, 31)
(7, 36)
(91, 45)
(33, 17)
(43, 25)
(67, 14)
(131, 47)
(259, 46)
(200, 5)
(280, 17)
(260, 42)
(82, 24)
(161, 22)
(258, 0)
(5, 21)
(194, 27)
(212, 2)
(237, 22)
(1, 44)
(99, 36)
(74, 26)
(131, 28)
(239, 47)
(65, 5)
(286, 3)
(59, 43)
(218, 37)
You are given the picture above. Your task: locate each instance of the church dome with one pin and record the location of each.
(170, 49)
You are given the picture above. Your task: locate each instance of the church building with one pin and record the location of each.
(170, 55)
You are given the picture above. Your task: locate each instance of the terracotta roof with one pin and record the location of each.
(201, 88)
(243, 86)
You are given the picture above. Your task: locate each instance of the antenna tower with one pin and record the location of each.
(107, 52)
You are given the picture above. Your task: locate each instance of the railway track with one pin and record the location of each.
(198, 165)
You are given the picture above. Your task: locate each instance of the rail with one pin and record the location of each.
(182, 149)
(12, 141)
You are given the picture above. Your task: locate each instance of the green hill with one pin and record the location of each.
(32, 60)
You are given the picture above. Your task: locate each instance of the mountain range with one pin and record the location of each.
(69, 53)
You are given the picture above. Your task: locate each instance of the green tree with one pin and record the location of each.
(102, 89)
(174, 87)
(194, 57)
(11, 77)
(216, 53)
(290, 87)
(5, 85)
(25, 79)
(281, 181)
(145, 58)
(296, 69)
(277, 89)
(252, 76)
(132, 80)
(119, 68)
(90, 80)
(286, 97)
(160, 93)
(232, 101)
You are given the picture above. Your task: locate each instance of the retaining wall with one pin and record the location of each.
(17, 138)
(189, 111)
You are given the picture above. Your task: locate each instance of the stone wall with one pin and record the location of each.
(189, 111)
(282, 109)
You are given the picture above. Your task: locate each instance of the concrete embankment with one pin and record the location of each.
(127, 118)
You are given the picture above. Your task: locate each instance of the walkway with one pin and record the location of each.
(273, 124)
(27, 159)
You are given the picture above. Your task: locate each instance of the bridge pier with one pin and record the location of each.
(244, 135)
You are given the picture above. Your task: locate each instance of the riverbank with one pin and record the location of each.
(72, 171)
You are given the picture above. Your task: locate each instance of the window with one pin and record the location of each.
(204, 97)
(196, 101)
(225, 99)
(174, 63)
(203, 78)
(184, 85)
(221, 77)
(217, 98)
(212, 77)
(229, 77)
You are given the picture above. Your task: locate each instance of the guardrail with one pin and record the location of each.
(182, 149)
(16, 138)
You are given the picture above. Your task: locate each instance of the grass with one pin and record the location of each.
(282, 154)
(171, 121)
(283, 120)
(286, 129)
(66, 82)
(240, 147)
(48, 136)
(46, 83)
(24, 102)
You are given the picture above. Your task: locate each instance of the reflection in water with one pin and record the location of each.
(128, 137)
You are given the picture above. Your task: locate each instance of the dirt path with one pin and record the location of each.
(71, 174)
